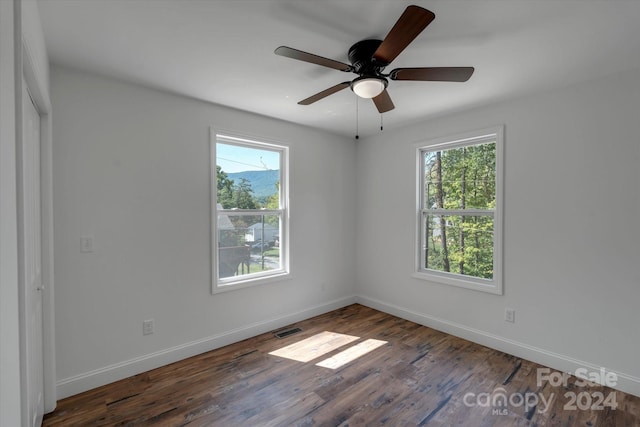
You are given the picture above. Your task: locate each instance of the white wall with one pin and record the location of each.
(10, 387)
(131, 168)
(572, 238)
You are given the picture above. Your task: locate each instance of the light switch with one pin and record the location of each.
(86, 244)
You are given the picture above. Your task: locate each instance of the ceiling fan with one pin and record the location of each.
(369, 58)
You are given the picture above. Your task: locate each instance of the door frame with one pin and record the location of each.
(30, 274)
(33, 65)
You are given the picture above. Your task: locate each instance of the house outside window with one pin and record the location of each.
(251, 217)
(460, 211)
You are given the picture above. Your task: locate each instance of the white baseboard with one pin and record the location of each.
(86, 381)
(626, 383)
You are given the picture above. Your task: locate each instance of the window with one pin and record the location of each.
(250, 221)
(460, 211)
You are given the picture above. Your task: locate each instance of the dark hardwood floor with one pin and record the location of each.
(418, 377)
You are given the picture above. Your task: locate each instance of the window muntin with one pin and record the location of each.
(250, 224)
(460, 211)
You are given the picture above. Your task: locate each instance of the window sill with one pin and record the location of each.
(250, 282)
(481, 285)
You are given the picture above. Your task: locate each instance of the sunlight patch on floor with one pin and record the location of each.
(315, 346)
(350, 354)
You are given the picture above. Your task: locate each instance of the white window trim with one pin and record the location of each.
(495, 285)
(231, 284)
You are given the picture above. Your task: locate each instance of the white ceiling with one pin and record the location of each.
(222, 50)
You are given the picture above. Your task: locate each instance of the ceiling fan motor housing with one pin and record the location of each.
(361, 57)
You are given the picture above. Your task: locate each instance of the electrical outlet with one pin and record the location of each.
(509, 315)
(86, 244)
(148, 327)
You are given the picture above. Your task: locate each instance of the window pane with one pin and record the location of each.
(248, 244)
(458, 244)
(247, 177)
(460, 178)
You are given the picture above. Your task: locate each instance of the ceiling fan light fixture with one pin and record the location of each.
(368, 87)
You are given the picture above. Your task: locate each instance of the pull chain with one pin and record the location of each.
(381, 126)
(357, 114)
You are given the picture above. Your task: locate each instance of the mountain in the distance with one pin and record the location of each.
(263, 183)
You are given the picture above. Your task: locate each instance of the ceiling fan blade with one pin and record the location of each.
(437, 74)
(383, 102)
(411, 23)
(310, 57)
(318, 96)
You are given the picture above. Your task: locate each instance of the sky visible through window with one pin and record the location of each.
(233, 158)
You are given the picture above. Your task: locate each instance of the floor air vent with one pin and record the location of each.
(286, 332)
